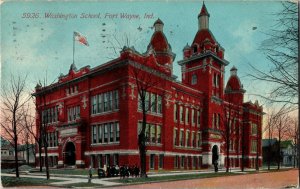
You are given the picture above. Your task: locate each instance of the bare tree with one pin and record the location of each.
(270, 123)
(229, 127)
(29, 126)
(281, 49)
(42, 126)
(293, 134)
(13, 99)
(145, 79)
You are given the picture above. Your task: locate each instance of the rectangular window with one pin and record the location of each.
(193, 117)
(116, 159)
(193, 139)
(111, 133)
(175, 137)
(158, 134)
(152, 132)
(187, 133)
(254, 146)
(110, 100)
(94, 134)
(181, 114)
(187, 116)
(147, 102)
(254, 129)
(105, 133)
(194, 161)
(117, 129)
(159, 104)
(94, 104)
(107, 159)
(105, 101)
(152, 161)
(176, 159)
(182, 161)
(161, 161)
(198, 119)
(100, 132)
(100, 162)
(181, 137)
(116, 99)
(198, 139)
(100, 103)
(175, 112)
(153, 102)
(73, 113)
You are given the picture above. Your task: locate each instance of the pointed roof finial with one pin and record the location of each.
(158, 25)
(204, 11)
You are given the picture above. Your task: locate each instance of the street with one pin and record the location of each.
(280, 179)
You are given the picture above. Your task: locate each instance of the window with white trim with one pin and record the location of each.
(105, 102)
(175, 112)
(187, 115)
(73, 113)
(106, 133)
(194, 79)
(181, 114)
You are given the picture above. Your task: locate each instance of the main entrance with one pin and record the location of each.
(215, 154)
(70, 155)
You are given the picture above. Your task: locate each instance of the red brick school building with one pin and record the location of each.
(92, 115)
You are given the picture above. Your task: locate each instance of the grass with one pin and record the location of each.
(82, 185)
(13, 181)
(65, 171)
(173, 177)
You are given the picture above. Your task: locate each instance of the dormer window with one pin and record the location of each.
(194, 79)
(195, 49)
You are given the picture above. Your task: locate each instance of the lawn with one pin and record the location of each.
(82, 185)
(173, 177)
(65, 171)
(13, 181)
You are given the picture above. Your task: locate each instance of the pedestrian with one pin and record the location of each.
(216, 166)
(90, 174)
(136, 171)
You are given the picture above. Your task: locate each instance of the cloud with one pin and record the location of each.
(244, 37)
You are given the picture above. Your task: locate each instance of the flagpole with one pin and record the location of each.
(73, 46)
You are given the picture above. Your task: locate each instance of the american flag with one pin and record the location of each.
(80, 38)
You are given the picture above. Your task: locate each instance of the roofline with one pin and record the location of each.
(199, 56)
(93, 71)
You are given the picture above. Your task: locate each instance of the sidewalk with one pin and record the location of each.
(67, 179)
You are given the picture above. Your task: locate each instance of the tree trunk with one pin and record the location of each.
(16, 144)
(142, 149)
(40, 154)
(227, 153)
(243, 149)
(269, 155)
(46, 159)
(142, 142)
(278, 153)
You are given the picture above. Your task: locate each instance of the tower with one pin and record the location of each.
(234, 92)
(203, 67)
(161, 49)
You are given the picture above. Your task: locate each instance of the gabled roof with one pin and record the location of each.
(265, 142)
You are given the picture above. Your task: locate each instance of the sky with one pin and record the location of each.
(42, 48)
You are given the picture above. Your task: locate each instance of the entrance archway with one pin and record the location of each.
(70, 155)
(215, 154)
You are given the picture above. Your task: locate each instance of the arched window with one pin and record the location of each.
(194, 79)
